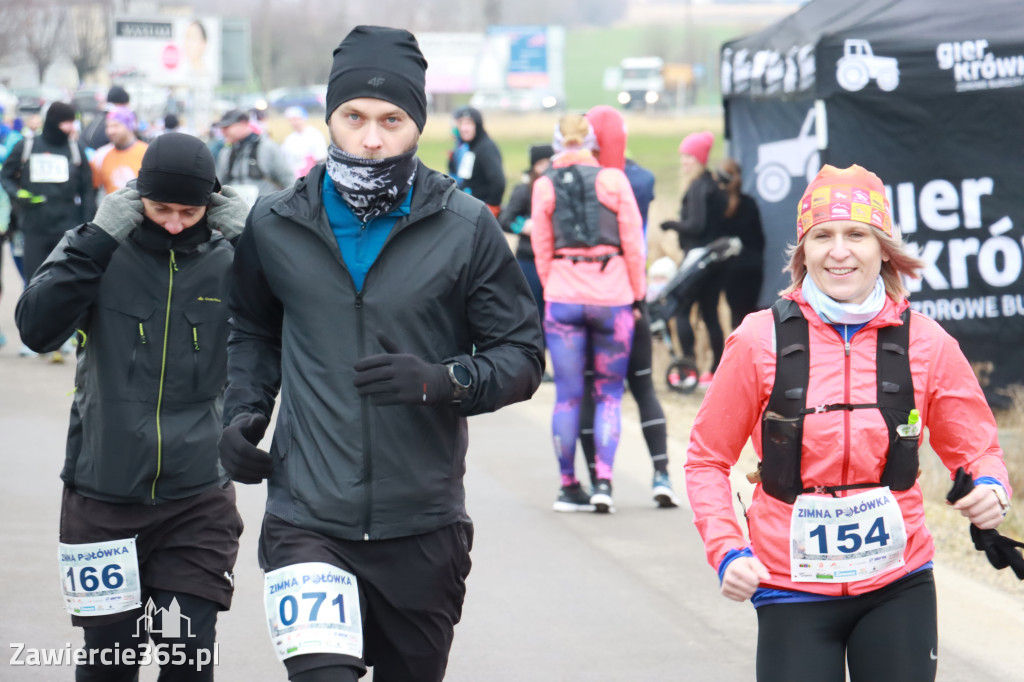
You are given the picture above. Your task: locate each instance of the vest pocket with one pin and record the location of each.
(781, 443)
(901, 465)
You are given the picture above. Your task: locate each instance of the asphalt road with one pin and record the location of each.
(551, 597)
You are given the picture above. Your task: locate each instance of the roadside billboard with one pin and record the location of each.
(168, 51)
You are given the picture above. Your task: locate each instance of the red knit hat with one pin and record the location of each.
(698, 145)
(852, 193)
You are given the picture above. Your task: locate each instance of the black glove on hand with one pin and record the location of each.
(394, 378)
(238, 452)
(1000, 551)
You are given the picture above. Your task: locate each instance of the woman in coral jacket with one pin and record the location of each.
(589, 249)
(839, 562)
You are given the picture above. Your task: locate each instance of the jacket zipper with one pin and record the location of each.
(195, 359)
(846, 421)
(364, 412)
(172, 267)
(135, 349)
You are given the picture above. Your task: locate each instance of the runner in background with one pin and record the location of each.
(50, 182)
(515, 219)
(588, 244)
(118, 162)
(610, 139)
(476, 160)
(305, 146)
(833, 389)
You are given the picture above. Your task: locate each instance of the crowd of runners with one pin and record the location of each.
(371, 304)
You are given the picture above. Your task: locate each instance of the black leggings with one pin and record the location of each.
(706, 297)
(889, 635)
(639, 378)
(334, 673)
(198, 619)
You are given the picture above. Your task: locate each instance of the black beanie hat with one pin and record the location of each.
(59, 112)
(540, 151)
(178, 169)
(117, 95)
(382, 63)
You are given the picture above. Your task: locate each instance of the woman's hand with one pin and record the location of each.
(742, 577)
(982, 507)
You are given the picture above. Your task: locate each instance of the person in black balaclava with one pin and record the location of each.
(476, 161)
(386, 307)
(145, 284)
(52, 192)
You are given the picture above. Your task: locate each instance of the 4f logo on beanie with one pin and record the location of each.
(376, 81)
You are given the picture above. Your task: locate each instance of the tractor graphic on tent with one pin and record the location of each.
(859, 65)
(780, 161)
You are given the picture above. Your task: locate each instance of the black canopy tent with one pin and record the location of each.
(928, 94)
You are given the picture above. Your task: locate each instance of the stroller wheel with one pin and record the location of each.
(682, 376)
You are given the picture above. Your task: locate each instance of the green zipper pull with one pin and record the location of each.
(85, 338)
(174, 263)
(142, 334)
(195, 339)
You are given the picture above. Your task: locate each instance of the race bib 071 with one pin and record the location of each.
(100, 578)
(313, 608)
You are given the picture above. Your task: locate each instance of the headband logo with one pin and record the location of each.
(376, 81)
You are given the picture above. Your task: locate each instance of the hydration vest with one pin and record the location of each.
(579, 219)
(783, 418)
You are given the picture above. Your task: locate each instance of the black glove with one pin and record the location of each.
(394, 378)
(1000, 551)
(238, 452)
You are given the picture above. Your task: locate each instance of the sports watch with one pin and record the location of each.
(461, 378)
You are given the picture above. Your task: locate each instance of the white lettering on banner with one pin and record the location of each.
(767, 71)
(976, 308)
(939, 196)
(975, 68)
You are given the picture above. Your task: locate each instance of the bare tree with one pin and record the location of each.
(43, 32)
(89, 40)
(12, 28)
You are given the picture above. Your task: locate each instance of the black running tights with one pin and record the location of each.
(889, 635)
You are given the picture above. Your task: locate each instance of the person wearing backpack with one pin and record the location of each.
(833, 386)
(50, 184)
(589, 249)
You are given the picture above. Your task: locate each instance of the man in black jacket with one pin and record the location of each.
(148, 519)
(476, 160)
(50, 184)
(385, 307)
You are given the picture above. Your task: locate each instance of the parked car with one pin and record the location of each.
(310, 97)
(516, 100)
(31, 100)
(89, 99)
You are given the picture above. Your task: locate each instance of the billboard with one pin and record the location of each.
(168, 51)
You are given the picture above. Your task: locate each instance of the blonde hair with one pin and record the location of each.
(574, 129)
(901, 264)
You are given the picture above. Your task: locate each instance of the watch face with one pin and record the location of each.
(461, 374)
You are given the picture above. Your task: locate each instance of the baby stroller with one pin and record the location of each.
(682, 375)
